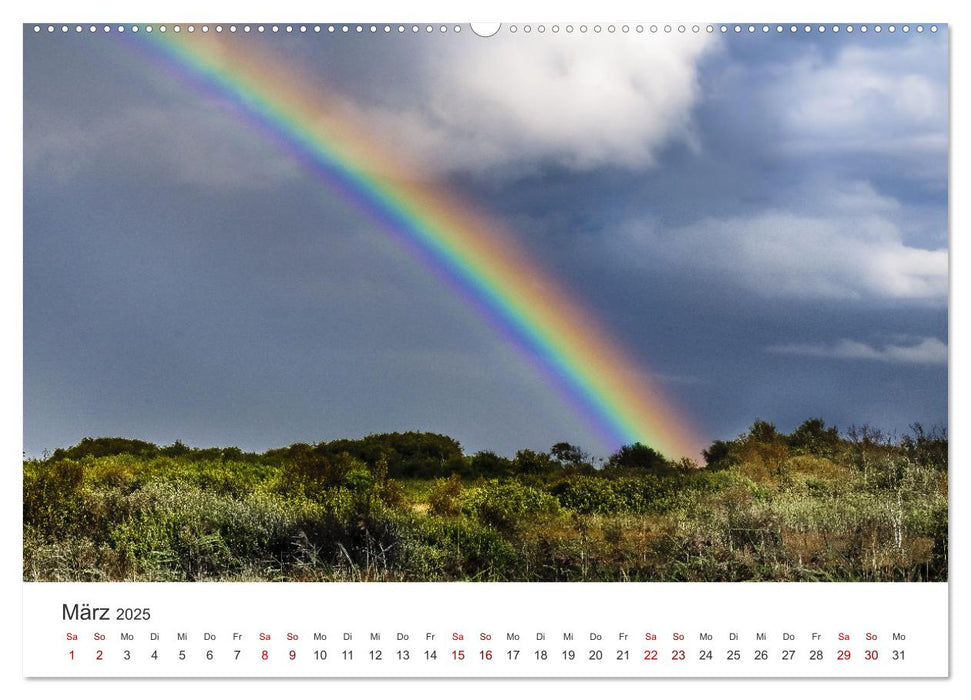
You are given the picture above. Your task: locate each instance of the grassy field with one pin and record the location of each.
(814, 505)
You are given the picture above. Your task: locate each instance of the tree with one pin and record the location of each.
(638, 456)
(565, 453)
(928, 448)
(232, 454)
(720, 455)
(490, 465)
(868, 447)
(766, 445)
(763, 431)
(107, 447)
(529, 462)
(176, 449)
(815, 438)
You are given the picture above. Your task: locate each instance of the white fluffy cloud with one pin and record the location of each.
(854, 249)
(579, 101)
(468, 104)
(928, 351)
(888, 100)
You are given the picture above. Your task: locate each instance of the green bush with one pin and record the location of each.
(446, 496)
(588, 495)
(508, 505)
(462, 549)
(51, 492)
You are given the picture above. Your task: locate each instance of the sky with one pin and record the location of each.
(760, 221)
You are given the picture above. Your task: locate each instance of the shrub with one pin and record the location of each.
(51, 492)
(507, 505)
(105, 447)
(445, 498)
(460, 549)
(588, 495)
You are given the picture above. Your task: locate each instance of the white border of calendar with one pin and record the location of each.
(11, 380)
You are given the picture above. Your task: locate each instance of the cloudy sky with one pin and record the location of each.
(761, 221)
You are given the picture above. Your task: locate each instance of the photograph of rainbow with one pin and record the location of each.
(407, 303)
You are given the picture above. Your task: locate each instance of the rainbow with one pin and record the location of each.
(470, 253)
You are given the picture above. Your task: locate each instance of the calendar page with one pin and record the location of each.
(448, 350)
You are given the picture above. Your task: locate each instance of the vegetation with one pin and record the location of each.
(811, 505)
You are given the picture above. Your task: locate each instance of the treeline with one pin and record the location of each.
(860, 445)
(422, 455)
(813, 504)
(409, 455)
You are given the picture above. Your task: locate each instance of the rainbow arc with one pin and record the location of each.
(469, 252)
